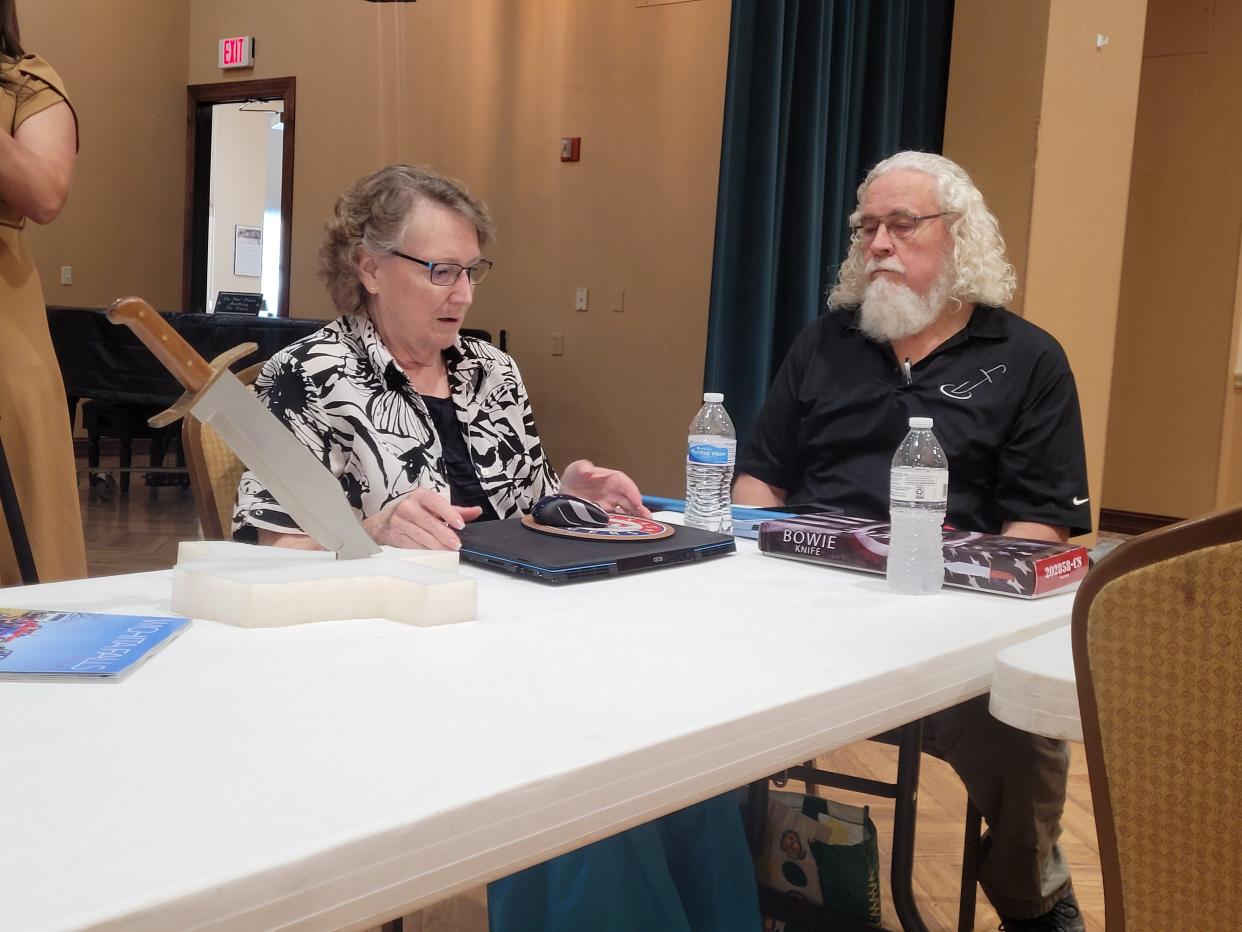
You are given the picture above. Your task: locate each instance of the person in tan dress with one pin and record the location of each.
(38, 147)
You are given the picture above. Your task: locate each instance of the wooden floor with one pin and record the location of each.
(141, 533)
(942, 807)
(137, 534)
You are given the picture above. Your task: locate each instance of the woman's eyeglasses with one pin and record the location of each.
(447, 273)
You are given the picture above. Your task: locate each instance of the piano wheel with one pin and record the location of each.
(103, 486)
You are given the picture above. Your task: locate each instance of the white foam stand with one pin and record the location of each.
(266, 587)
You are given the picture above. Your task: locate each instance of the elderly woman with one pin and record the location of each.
(426, 430)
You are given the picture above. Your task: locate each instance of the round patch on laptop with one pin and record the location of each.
(620, 528)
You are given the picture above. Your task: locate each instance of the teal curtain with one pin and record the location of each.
(817, 92)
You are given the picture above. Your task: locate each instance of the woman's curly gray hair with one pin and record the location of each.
(374, 214)
(981, 274)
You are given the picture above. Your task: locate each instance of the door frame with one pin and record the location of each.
(200, 98)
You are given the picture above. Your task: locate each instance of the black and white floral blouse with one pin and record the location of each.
(342, 394)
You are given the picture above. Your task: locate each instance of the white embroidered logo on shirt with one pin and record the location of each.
(964, 390)
(1081, 501)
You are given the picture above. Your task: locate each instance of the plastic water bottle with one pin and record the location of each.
(918, 495)
(711, 451)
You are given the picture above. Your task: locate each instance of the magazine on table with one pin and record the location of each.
(37, 644)
(1015, 566)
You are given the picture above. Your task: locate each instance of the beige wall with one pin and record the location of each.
(331, 48)
(1082, 183)
(1175, 340)
(124, 64)
(484, 91)
(992, 119)
(644, 89)
(1071, 187)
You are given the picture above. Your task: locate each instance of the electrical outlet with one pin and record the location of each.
(66, 275)
(558, 344)
(580, 299)
(618, 301)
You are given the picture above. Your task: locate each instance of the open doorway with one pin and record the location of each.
(239, 196)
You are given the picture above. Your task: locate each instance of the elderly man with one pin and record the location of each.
(916, 327)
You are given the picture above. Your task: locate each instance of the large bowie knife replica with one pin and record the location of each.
(300, 483)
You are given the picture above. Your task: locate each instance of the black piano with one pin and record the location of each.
(125, 384)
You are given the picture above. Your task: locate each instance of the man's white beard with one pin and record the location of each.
(891, 310)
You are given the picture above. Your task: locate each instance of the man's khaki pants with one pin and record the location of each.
(1017, 780)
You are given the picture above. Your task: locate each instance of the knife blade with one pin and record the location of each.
(302, 485)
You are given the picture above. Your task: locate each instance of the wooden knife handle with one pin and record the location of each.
(168, 346)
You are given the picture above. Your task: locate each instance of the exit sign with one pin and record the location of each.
(237, 52)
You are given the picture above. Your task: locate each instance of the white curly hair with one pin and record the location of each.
(981, 274)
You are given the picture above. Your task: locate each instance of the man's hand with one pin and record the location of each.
(421, 519)
(611, 489)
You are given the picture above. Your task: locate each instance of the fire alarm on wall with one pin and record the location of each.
(569, 148)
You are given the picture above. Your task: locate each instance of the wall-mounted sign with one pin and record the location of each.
(237, 52)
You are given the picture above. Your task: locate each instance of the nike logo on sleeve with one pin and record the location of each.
(1081, 501)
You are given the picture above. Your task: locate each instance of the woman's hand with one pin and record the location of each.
(421, 519)
(611, 489)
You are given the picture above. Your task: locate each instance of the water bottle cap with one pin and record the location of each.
(713, 397)
(921, 423)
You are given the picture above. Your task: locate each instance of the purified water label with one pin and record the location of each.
(712, 454)
(917, 485)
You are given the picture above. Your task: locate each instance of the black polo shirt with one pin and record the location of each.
(1005, 409)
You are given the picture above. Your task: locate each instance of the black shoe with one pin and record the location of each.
(1065, 916)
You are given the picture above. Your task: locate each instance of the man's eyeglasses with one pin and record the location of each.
(900, 224)
(447, 273)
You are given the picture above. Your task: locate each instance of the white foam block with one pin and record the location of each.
(196, 550)
(261, 587)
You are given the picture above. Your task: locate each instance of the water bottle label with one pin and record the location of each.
(709, 453)
(917, 484)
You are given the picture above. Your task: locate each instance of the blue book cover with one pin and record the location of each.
(37, 644)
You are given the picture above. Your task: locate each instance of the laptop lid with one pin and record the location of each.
(510, 546)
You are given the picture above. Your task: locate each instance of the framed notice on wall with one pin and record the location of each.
(248, 251)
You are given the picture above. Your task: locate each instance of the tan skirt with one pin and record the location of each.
(34, 425)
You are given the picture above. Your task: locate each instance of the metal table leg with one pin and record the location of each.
(906, 795)
(17, 527)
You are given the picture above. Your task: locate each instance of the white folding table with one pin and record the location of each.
(333, 775)
(1033, 687)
